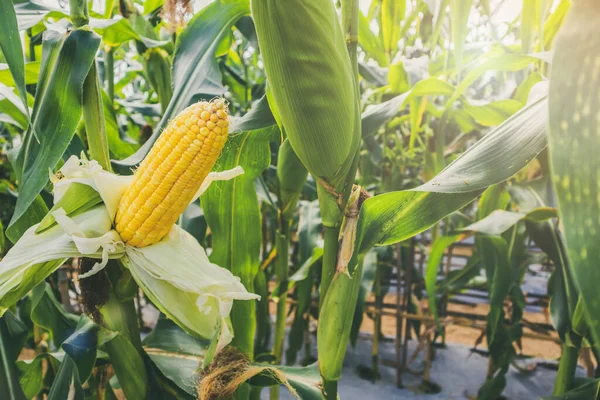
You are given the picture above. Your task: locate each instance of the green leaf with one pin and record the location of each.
(232, 212)
(304, 380)
(56, 111)
(32, 276)
(494, 253)
(499, 221)
(194, 222)
(32, 70)
(67, 384)
(170, 337)
(30, 13)
(34, 214)
(263, 318)
(458, 279)
(127, 363)
(309, 232)
(433, 265)
(459, 10)
(11, 105)
(589, 390)
(119, 148)
(303, 272)
(48, 313)
(554, 22)
(525, 87)
(13, 335)
(494, 158)
(152, 5)
(10, 43)
(2, 240)
(176, 354)
(373, 74)
(493, 113)
(77, 199)
(81, 347)
(529, 23)
(561, 287)
(498, 155)
(573, 142)
(398, 78)
(505, 63)
(94, 119)
(196, 74)
(32, 375)
(375, 116)
(369, 42)
(392, 13)
(492, 388)
(119, 30)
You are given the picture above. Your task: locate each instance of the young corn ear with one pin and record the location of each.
(172, 173)
(312, 84)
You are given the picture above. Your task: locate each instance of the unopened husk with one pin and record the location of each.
(312, 84)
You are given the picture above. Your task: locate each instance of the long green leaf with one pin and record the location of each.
(13, 334)
(309, 231)
(459, 11)
(67, 384)
(56, 111)
(32, 70)
(116, 31)
(12, 106)
(127, 363)
(589, 390)
(369, 42)
(32, 375)
(529, 22)
(574, 139)
(34, 214)
(48, 313)
(395, 216)
(392, 13)
(10, 43)
(561, 287)
(233, 215)
(176, 354)
(377, 115)
(433, 266)
(304, 380)
(119, 148)
(81, 347)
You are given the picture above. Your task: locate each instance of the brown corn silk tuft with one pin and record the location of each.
(230, 369)
(172, 173)
(223, 375)
(175, 13)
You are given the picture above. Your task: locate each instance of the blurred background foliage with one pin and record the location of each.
(436, 77)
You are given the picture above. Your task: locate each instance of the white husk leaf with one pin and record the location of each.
(54, 244)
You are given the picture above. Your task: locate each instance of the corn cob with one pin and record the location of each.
(172, 173)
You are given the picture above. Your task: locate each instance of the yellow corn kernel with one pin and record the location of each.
(172, 173)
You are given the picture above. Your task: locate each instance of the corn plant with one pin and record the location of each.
(303, 150)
